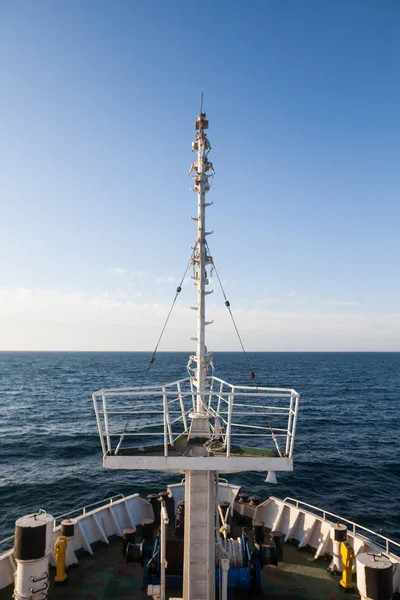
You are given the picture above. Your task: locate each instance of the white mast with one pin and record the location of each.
(200, 485)
(200, 171)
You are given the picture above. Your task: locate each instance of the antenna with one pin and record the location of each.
(201, 102)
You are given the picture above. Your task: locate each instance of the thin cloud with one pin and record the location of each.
(43, 319)
(165, 279)
(341, 303)
(121, 272)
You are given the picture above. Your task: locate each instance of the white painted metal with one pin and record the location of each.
(312, 526)
(155, 591)
(180, 464)
(271, 477)
(32, 576)
(162, 413)
(200, 262)
(130, 511)
(200, 535)
(32, 579)
(382, 564)
(388, 545)
(336, 563)
(226, 492)
(116, 513)
(224, 585)
(106, 428)
(163, 560)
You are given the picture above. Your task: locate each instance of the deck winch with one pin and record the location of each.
(238, 560)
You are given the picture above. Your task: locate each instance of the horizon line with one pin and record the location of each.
(212, 352)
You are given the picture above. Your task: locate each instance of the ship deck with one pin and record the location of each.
(106, 576)
(185, 447)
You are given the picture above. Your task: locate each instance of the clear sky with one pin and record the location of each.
(97, 104)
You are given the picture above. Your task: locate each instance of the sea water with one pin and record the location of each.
(346, 456)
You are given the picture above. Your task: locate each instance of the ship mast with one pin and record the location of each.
(189, 450)
(200, 172)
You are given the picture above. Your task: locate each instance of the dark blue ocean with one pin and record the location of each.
(346, 451)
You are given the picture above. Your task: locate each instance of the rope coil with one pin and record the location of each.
(230, 549)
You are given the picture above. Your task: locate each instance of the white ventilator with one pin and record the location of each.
(338, 535)
(374, 576)
(32, 550)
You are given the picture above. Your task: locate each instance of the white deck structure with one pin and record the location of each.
(308, 525)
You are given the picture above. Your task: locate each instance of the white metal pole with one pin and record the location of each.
(165, 423)
(193, 396)
(290, 417)
(106, 423)
(228, 429)
(224, 586)
(221, 387)
(96, 410)
(182, 407)
(296, 408)
(171, 439)
(163, 558)
(201, 268)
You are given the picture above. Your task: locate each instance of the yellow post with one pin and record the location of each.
(60, 551)
(347, 553)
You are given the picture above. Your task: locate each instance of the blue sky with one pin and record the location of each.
(97, 103)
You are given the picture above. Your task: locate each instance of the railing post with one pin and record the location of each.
(165, 423)
(228, 431)
(296, 406)
(171, 439)
(221, 387)
(106, 423)
(96, 410)
(193, 396)
(290, 418)
(211, 390)
(182, 407)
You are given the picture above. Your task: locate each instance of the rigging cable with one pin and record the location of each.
(153, 356)
(251, 372)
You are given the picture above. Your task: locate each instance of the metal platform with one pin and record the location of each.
(249, 429)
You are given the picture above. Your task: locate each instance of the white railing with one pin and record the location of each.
(8, 542)
(354, 528)
(257, 417)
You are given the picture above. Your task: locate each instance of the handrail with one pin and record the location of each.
(353, 523)
(233, 408)
(82, 509)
